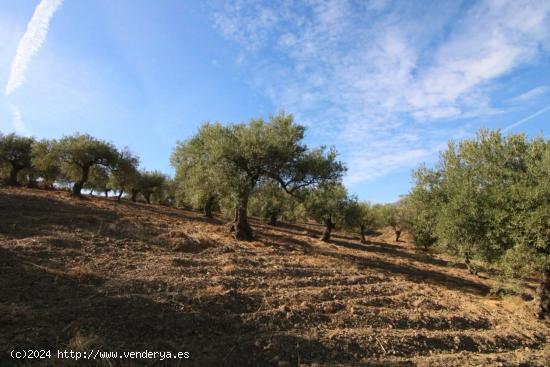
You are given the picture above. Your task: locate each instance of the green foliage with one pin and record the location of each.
(16, 154)
(151, 183)
(45, 162)
(422, 207)
(167, 194)
(124, 174)
(230, 161)
(269, 201)
(488, 198)
(391, 215)
(78, 153)
(195, 182)
(330, 204)
(327, 202)
(367, 217)
(98, 180)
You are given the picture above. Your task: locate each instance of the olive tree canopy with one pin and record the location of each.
(79, 152)
(16, 151)
(232, 160)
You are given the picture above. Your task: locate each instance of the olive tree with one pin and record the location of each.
(98, 180)
(45, 162)
(124, 174)
(532, 230)
(329, 204)
(79, 153)
(269, 201)
(422, 207)
(237, 156)
(16, 152)
(488, 198)
(391, 215)
(196, 179)
(149, 183)
(364, 218)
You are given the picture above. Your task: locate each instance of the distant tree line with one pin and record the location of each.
(79, 161)
(260, 166)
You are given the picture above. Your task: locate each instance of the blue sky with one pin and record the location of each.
(387, 82)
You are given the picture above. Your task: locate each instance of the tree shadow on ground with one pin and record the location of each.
(413, 273)
(176, 213)
(50, 310)
(25, 215)
(392, 250)
(281, 241)
(29, 215)
(409, 271)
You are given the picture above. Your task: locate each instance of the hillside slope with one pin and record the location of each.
(92, 273)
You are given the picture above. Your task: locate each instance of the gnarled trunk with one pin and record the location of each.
(134, 195)
(328, 230)
(12, 180)
(472, 269)
(544, 294)
(209, 203)
(119, 195)
(240, 227)
(363, 239)
(106, 192)
(78, 185)
(147, 197)
(272, 219)
(397, 234)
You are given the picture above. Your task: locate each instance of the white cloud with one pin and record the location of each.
(530, 94)
(30, 43)
(385, 82)
(18, 124)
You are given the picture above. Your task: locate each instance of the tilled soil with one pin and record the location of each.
(96, 274)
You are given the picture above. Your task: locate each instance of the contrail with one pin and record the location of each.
(525, 119)
(18, 122)
(30, 43)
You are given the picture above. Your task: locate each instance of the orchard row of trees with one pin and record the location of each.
(78, 160)
(488, 198)
(261, 166)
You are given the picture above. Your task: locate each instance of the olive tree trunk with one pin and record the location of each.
(14, 171)
(363, 239)
(147, 197)
(78, 185)
(467, 260)
(240, 227)
(272, 219)
(328, 230)
(120, 192)
(544, 294)
(134, 195)
(397, 234)
(209, 203)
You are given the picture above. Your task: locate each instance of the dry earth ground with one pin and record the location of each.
(93, 273)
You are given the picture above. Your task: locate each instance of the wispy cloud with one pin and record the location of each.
(530, 94)
(30, 43)
(18, 124)
(389, 82)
